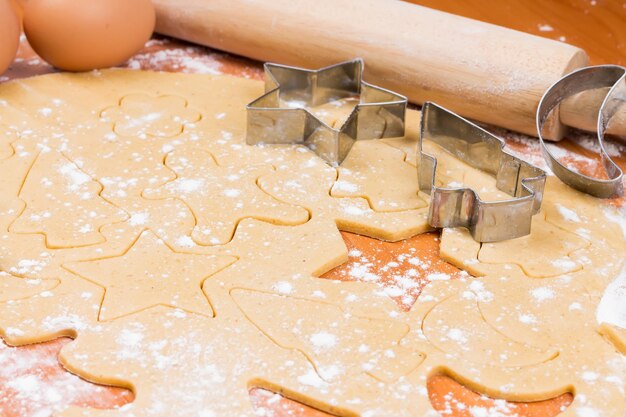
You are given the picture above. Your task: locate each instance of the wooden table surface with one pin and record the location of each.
(598, 26)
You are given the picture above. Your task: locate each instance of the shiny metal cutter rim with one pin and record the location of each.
(576, 82)
(487, 221)
(379, 114)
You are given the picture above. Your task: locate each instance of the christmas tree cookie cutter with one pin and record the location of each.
(487, 221)
(588, 78)
(282, 115)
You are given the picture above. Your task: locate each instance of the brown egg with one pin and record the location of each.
(9, 34)
(18, 6)
(80, 35)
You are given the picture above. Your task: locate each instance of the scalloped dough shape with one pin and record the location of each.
(140, 115)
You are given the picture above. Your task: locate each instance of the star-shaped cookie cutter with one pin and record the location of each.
(282, 115)
(487, 221)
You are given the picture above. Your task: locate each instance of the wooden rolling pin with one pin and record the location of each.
(482, 71)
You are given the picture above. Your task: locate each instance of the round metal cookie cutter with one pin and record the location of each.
(584, 79)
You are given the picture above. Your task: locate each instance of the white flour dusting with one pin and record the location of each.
(567, 213)
(612, 307)
(545, 28)
(617, 216)
(323, 340)
(542, 294)
(38, 387)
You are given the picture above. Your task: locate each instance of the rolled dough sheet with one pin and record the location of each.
(135, 218)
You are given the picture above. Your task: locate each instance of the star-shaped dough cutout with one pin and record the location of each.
(151, 274)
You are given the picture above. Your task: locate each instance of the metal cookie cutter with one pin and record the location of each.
(462, 207)
(578, 81)
(282, 115)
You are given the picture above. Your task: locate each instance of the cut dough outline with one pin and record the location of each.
(120, 105)
(416, 375)
(322, 302)
(337, 191)
(126, 252)
(98, 195)
(236, 222)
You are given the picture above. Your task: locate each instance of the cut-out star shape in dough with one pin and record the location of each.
(221, 196)
(151, 274)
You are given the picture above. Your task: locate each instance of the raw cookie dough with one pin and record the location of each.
(199, 276)
(200, 178)
(7, 137)
(171, 279)
(63, 204)
(137, 115)
(375, 159)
